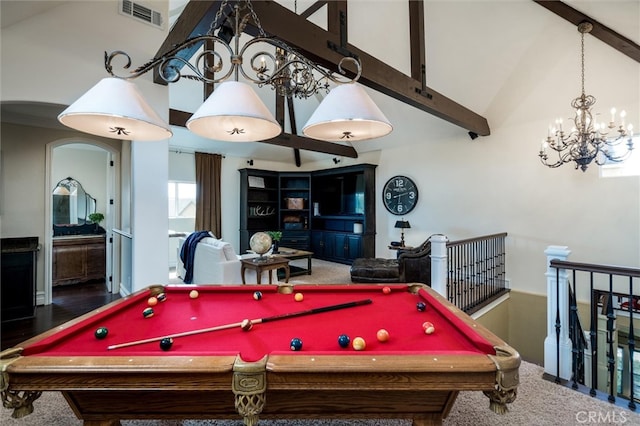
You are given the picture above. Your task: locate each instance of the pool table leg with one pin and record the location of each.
(20, 401)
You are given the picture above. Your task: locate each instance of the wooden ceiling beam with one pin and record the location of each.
(314, 42)
(599, 31)
(179, 118)
(195, 19)
(417, 42)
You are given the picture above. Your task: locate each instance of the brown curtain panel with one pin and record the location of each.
(208, 171)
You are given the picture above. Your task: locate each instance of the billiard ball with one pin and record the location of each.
(166, 343)
(382, 335)
(343, 341)
(296, 344)
(257, 295)
(194, 294)
(152, 301)
(428, 327)
(101, 332)
(386, 290)
(359, 344)
(161, 297)
(421, 306)
(148, 312)
(246, 325)
(298, 297)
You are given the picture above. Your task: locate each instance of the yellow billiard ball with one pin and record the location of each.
(194, 294)
(298, 297)
(359, 344)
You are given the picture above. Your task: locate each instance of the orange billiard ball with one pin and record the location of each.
(359, 344)
(194, 294)
(152, 301)
(298, 297)
(382, 335)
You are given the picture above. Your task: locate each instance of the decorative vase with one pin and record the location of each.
(276, 246)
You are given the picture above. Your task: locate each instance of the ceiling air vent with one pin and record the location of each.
(141, 12)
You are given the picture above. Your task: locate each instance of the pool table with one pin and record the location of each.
(219, 366)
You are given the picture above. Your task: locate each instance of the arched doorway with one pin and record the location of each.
(96, 166)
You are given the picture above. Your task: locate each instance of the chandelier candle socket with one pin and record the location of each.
(588, 140)
(233, 112)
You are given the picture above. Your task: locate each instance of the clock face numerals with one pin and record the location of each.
(400, 195)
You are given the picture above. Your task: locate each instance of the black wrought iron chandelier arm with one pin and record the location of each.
(166, 61)
(290, 72)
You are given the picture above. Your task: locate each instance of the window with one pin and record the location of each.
(628, 167)
(182, 200)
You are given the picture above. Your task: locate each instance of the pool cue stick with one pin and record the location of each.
(243, 322)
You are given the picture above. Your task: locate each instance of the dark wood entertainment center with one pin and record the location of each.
(329, 212)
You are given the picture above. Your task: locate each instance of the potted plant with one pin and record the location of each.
(96, 218)
(275, 238)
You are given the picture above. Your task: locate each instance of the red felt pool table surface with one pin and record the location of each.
(459, 355)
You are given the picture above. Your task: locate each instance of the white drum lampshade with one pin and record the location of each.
(115, 108)
(347, 113)
(234, 113)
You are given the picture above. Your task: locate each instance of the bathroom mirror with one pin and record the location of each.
(71, 203)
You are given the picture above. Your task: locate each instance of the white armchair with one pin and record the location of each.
(216, 262)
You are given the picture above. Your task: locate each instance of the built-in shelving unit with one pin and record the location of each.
(295, 194)
(330, 212)
(259, 203)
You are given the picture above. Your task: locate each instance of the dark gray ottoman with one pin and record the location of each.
(375, 270)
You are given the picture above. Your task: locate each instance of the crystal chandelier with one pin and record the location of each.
(588, 140)
(115, 108)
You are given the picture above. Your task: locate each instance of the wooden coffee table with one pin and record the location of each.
(266, 264)
(292, 254)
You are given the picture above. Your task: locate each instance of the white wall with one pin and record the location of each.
(467, 188)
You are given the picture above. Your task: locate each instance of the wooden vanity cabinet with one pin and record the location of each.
(78, 259)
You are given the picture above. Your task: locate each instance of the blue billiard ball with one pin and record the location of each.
(421, 306)
(296, 344)
(344, 340)
(257, 295)
(166, 343)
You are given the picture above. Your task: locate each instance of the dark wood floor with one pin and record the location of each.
(68, 302)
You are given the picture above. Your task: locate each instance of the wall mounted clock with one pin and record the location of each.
(400, 195)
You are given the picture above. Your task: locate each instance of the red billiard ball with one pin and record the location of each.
(382, 335)
(386, 290)
(428, 327)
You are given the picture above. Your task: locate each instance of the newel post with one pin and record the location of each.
(557, 344)
(439, 263)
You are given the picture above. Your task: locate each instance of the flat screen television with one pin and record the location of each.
(340, 195)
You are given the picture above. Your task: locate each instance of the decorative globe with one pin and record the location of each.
(260, 243)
